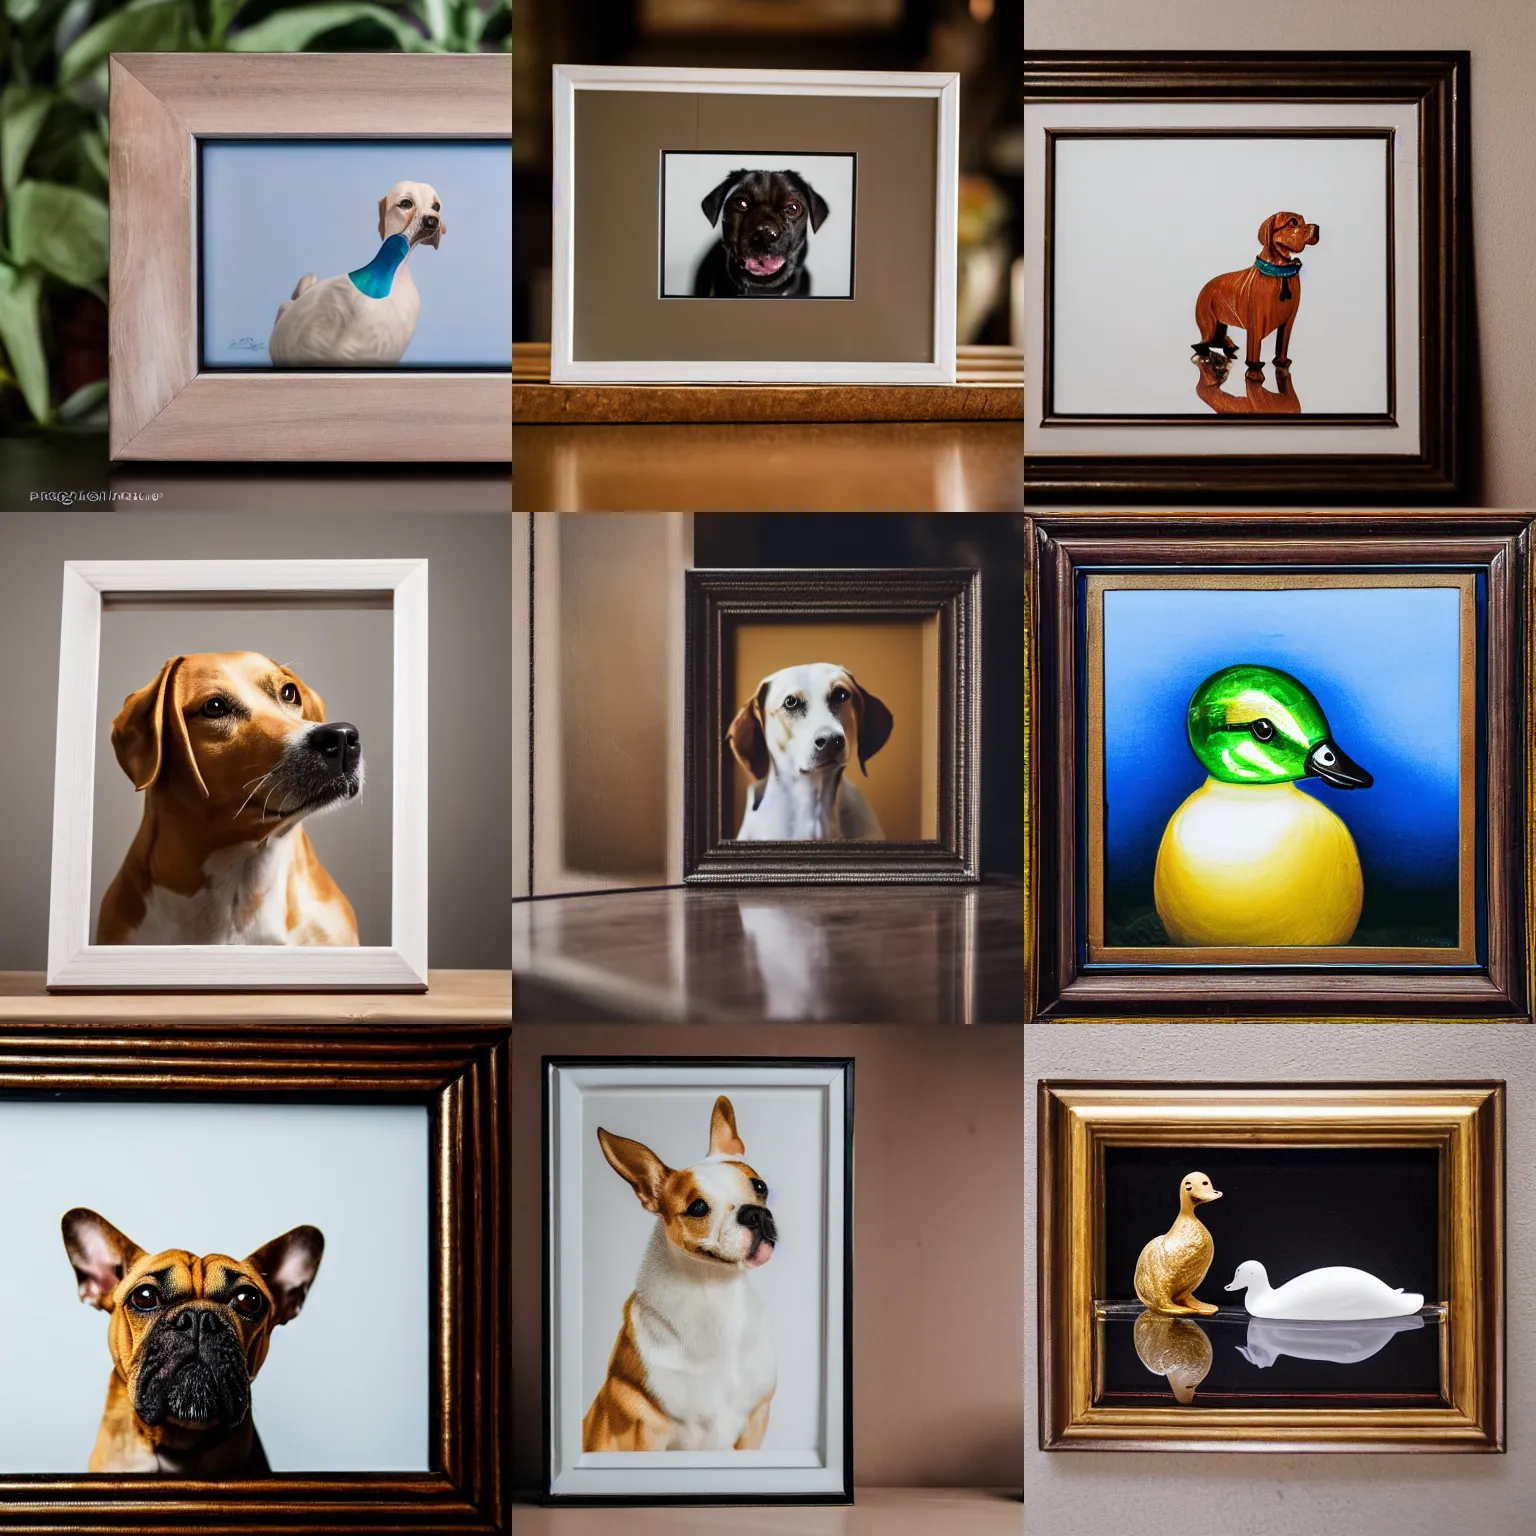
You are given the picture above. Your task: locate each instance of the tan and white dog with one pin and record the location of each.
(796, 736)
(694, 1367)
(232, 753)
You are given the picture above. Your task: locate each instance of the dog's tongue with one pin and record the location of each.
(764, 266)
(760, 1252)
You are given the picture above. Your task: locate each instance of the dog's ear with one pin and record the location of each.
(1267, 231)
(100, 1254)
(875, 722)
(814, 200)
(715, 201)
(637, 1165)
(723, 1140)
(383, 201)
(287, 1266)
(313, 704)
(748, 744)
(138, 733)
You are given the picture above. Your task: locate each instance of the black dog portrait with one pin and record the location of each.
(766, 219)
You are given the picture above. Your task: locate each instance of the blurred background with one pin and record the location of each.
(981, 40)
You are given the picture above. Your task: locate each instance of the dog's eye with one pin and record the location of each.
(1263, 730)
(405, 202)
(839, 695)
(792, 209)
(437, 207)
(743, 204)
(215, 709)
(793, 701)
(248, 1302)
(698, 1208)
(1295, 221)
(144, 1298)
(759, 1189)
(289, 693)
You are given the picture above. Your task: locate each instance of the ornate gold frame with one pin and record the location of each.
(1463, 1121)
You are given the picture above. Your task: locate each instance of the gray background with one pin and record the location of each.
(1111, 1493)
(344, 655)
(345, 1384)
(469, 684)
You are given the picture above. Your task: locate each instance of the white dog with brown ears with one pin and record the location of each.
(366, 316)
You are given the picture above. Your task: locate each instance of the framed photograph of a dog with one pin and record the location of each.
(196, 143)
(651, 222)
(234, 755)
(796, 765)
(436, 1109)
(698, 1273)
(1247, 276)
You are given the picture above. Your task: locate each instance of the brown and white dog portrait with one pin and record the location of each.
(796, 736)
(233, 754)
(1261, 300)
(188, 1333)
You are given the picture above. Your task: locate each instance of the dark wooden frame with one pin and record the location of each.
(461, 1074)
(548, 1067)
(716, 600)
(1062, 986)
(1438, 83)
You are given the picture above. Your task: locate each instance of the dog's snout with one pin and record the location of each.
(196, 1322)
(759, 1219)
(829, 741)
(430, 222)
(340, 745)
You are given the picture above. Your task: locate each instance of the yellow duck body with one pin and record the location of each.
(1171, 1266)
(1257, 864)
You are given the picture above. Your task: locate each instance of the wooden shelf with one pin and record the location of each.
(452, 997)
(990, 388)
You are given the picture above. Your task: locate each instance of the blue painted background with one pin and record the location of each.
(274, 211)
(1384, 664)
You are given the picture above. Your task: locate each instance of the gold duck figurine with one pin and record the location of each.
(1176, 1348)
(1171, 1266)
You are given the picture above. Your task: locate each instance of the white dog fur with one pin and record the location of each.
(796, 736)
(368, 315)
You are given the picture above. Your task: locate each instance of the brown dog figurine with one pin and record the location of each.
(188, 1335)
(1261, 299)
(1255, 399)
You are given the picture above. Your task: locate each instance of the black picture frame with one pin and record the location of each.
(549, 1066)
(716, 601)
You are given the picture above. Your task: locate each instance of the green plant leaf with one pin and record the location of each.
(434, 16)
(221, 14)
(83, 402)
(146, 26)
(21, 333)
(60, 229)
(293, 30)
(22, 111)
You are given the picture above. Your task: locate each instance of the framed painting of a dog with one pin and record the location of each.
(754, 184)
(1246, 276)
(831, 725)
(311, 257)
(698, 1274)
(209, 1365)
(218, 823)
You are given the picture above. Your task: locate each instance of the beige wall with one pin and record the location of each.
(939, 1255)
(899, 664)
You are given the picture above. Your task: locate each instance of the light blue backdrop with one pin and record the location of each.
(274, 211)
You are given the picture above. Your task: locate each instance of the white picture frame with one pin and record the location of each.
(76, 964)
(824, 1090)
(572, 80)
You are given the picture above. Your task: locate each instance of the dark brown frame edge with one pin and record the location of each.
(1439, 82)
(1496, 542)
(1052, 1258)
(461, 1074)
(548, 1067)
(717, 599)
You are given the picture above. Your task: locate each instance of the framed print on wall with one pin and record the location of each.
(1290, 768)
(1258, 1268)
(698, 1273)
(725, 185)
(213, 825)
(373, 321)
(1246, 276)
(832, 725)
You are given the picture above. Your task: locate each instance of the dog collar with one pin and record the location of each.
(1278, 269)
(378, 277)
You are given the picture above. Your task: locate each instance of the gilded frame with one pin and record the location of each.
(161, 407)
(461, 1074)
(1069, 979)
(1464, 1122)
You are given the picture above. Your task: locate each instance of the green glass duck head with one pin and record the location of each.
(1258, 725)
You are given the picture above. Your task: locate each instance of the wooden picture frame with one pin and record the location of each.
(719, 600)
(757, 1477)
(1395, 97)
(74, 962)
(461, 1074)
(1462, 1123)
(1071, 979)
(161, 405)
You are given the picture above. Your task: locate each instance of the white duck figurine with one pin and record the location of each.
(1340, 1343)
(1333, 1294)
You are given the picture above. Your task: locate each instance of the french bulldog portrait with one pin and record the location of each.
(187, 1333)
